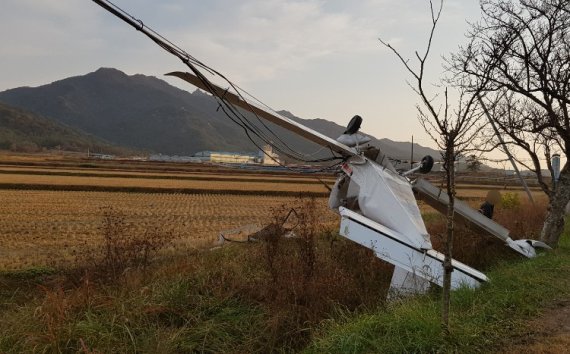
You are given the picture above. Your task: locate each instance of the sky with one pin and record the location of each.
(314, 58)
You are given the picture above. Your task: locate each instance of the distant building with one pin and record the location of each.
(226, 157)
(269, 158)
(175, 158)
(100, 156)
(265, 157)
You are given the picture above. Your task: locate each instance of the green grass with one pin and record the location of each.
(481, 320)
(177, 315)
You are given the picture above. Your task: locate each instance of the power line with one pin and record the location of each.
(251, 130)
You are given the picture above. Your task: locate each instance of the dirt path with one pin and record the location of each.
(550, 333)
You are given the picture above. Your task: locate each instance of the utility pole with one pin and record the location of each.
(556, 169)
(412, 156)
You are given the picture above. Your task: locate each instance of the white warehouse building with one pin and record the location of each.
(265, 157)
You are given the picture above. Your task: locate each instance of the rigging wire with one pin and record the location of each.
(227, 108)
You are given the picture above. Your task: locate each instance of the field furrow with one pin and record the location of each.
(38, 227)
(158, 183)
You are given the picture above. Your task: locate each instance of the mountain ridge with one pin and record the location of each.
(146, 113)
(23, 131)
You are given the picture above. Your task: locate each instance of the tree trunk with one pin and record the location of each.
(448, 247)
(554, 223)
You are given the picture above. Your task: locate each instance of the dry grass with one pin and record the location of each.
(173, 174)
(158, 183)
(24, 157)
(243, 298)
(257, 297)
(480, 250)
(271, 296)
(474, 192)
(36, 226)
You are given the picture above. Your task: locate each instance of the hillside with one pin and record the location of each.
(144, 112)
(27, 132)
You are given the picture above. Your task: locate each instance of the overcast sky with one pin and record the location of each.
(315, 58)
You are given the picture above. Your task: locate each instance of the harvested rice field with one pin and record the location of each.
(40, 227)
(47, 212)
(197, 185)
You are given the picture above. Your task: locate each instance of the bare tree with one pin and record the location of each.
(452, 129)
(519, 54)
(473, 164)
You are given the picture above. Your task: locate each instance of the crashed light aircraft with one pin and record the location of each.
(376, 203)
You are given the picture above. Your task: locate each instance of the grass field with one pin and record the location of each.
(44, 226)
(39, 226)
(160, 183)
(317, 292)
(182, 175)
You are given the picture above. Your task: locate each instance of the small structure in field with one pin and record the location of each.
(270, 158)
(226, 157)
(101, 156)
(175, 158)
(265, 157)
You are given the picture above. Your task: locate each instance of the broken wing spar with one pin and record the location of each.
(272, 117)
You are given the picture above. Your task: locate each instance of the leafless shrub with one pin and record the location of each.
(308, 228)
(480, 250)
(124, 246)
(524, 220)
(310, 274)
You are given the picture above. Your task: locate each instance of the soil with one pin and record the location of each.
(549, 333)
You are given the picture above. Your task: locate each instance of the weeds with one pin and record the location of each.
(261, 297)
(510, 200)
(269, 296)
(123, 247)
(484, 319)
(471, 246)
(481, 250)
(308, 229)
(524, 220)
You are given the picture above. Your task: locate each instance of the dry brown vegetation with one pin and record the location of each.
(159, 183)
(39, 227)
(129, 271)
(42, 227)
(256, 297)
(524, 221)
(291, 284)
(90, 172)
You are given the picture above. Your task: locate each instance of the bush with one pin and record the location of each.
(524, 221)
(481, 250)
(123, 246)
(268, 296)
(510, 200)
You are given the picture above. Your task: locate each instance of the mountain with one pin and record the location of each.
(27, 132)
(144, 112)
